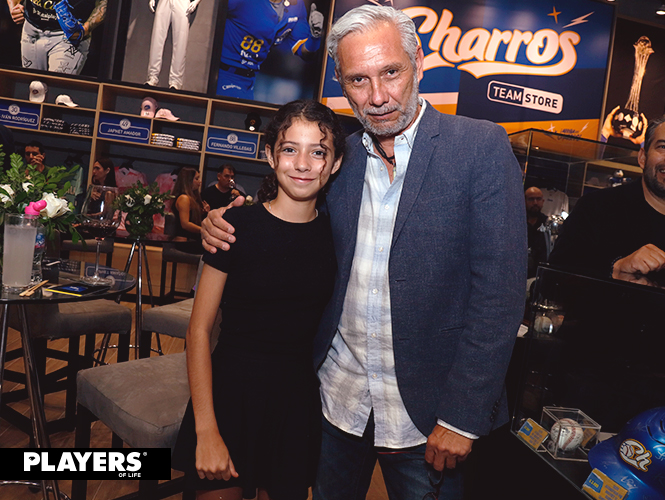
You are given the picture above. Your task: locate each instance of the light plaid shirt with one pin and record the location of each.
(358, 374)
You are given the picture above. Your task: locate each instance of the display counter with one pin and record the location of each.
(592, 345)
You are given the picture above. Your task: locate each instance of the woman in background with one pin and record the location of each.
(103, 173)
(188, 209)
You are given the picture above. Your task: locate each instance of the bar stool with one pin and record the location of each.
(142, 401)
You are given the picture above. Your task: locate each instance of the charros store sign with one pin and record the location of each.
(516, 62)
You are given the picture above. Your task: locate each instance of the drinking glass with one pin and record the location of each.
(20, 233)
(99, 219)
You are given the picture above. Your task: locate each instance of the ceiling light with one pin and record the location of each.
(661, 10)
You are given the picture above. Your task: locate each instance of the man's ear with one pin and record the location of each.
(642, 158)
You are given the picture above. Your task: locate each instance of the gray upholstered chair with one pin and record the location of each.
(173, 319)
(171, 254)
(70, 320)
(142, 401)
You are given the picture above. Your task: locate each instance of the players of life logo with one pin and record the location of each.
(635, 453)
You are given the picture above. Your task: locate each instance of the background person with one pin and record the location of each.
(536, 236)
(224, 191)
(188, 209)
(618, 232)
(103, 173)
(428, 222)
(33, 154)
(254, 415)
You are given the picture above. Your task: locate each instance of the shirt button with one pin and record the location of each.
(381, 168)
(374, 335)
(375, 291)
(373, 375)
(387, 207)
(380, 249)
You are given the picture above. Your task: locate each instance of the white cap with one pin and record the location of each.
(148, 107)
(38, 91)
(166, 113)
(66, 100)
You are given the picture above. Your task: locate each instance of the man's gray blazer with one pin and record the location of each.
(457, 269)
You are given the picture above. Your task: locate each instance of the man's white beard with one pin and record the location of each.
(407, 115)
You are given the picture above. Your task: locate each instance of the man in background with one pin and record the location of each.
(224, 191)
(620, 232)
(536, 235)
(33, 154)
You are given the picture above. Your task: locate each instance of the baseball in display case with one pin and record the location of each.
(572, 433)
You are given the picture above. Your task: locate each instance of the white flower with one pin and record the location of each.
(146, 199)
(26, 186)
(249, 199)
(55, 207)
(129, 200)
(4, 198)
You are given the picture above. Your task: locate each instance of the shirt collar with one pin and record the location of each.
(409, 134)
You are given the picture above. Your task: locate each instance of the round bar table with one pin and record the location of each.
(68, 272)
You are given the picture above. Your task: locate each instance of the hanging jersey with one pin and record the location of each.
(41, 13)
(253, 27)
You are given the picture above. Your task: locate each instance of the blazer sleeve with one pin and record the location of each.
(473, 391)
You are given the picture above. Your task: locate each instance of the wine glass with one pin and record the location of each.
(99, 218)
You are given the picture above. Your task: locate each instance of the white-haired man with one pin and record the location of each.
(429, 229)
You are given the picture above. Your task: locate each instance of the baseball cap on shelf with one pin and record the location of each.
(166, 113)
(38, 91)
(148, 107)
(66, 100)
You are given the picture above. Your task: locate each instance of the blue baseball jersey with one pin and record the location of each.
(253, 27)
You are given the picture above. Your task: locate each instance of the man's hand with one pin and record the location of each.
(192, 6)
(17, 13)
(446, 448)
(315, 22)
(215, 231)
(607, 131)
(647, 259)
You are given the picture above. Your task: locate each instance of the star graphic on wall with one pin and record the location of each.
(555, 15)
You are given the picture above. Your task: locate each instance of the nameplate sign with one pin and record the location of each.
(123, 128)
(19, 114)
(232, 142)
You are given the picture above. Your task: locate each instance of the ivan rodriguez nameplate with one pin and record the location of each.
(82, 463)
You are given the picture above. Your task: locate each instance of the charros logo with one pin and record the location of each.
(635, 453)
(94, 461)
(476, 50)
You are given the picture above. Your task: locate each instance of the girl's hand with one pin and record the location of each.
(213, 460)
(206, 207)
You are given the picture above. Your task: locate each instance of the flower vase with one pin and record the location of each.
(138, 227)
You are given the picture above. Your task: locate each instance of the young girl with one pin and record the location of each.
(188, 209)
(252, 423)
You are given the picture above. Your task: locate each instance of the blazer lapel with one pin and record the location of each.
(419, 162)
(356, 162)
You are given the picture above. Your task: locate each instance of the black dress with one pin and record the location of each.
(265, 390)
(193, 243)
